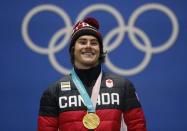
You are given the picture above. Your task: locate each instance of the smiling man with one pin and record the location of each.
(89, 98)
(86, 52)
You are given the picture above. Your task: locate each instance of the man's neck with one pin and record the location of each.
(88, 76)
(78, 66)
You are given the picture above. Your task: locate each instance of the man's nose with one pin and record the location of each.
(88, 44)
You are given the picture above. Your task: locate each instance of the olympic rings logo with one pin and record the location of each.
(121, 30)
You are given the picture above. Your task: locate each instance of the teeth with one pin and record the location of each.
(88, 53)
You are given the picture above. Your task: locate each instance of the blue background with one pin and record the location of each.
(161, 86)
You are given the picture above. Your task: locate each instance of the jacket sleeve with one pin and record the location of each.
(48, 112)
(133, 113)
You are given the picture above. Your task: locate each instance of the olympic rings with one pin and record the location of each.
(145, 61)
(33, 12)
(121, 30)
(165, 10)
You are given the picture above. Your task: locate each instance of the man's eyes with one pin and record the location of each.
(85, 42)
(94, 43)
(82, 42)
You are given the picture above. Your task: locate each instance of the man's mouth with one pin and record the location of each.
(88, 53)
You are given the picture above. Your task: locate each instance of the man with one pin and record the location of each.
(88, 98)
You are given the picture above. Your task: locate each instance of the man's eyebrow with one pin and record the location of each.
(82, 39)
(94, 40)
(87, 39)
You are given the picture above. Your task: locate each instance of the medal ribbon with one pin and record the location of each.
(89, 103)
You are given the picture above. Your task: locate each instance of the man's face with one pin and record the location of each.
(86, 52)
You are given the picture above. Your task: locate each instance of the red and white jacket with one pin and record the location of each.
(62, 107)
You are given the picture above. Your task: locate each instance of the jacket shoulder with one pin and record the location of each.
(54, 87)
(115, 77)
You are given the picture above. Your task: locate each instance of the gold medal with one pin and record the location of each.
(91, 120)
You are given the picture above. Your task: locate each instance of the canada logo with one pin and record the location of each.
(109, 83)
